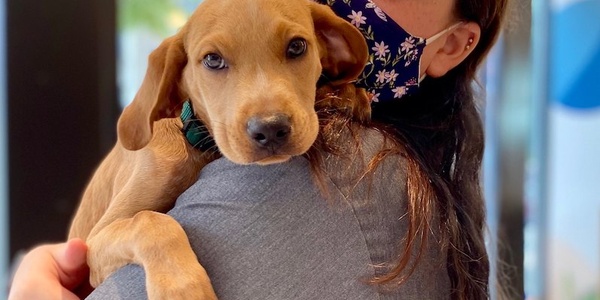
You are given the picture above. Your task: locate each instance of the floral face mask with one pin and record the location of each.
(393, 69)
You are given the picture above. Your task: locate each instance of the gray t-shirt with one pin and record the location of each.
(269, 233)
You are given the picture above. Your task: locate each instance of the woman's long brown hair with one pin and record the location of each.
(440, 132)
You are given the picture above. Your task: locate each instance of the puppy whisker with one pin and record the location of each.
(213, 149)
(206, 139)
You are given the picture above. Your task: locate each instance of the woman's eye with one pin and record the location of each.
(296, 48)
(214, 61)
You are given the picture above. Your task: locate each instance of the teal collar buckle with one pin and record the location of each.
(195, 131)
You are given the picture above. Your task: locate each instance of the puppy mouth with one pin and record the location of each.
(273, 159)
(273, 154)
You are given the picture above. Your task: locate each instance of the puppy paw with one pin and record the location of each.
(100, 267)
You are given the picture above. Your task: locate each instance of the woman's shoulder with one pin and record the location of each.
(246, 221)
(266, 232)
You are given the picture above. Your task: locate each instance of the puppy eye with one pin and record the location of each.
(214, 61)
(296, 48)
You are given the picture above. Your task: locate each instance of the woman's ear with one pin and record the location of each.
(457, 45)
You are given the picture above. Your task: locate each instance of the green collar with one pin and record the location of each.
(194, 130)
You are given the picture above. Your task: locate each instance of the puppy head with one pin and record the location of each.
(251, 69)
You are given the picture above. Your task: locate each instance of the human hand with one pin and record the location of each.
(55, 271)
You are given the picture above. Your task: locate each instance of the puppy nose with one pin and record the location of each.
(271, 131)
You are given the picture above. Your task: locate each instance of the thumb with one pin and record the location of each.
(71, 262)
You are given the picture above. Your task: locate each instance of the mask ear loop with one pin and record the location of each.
(435, 37)
(439, 34)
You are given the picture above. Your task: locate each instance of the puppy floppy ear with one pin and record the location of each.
(157, 98)
(344, 51)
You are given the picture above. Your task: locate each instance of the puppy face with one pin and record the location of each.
(253, 81)
(250, 68)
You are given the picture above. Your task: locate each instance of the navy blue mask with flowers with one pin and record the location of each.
(393, 69)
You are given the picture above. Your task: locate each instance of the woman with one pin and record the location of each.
(409, 225)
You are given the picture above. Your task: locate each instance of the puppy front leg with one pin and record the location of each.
(159, 244)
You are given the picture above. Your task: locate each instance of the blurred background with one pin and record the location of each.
(67, 67)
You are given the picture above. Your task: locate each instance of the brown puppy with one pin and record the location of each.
(250, 68)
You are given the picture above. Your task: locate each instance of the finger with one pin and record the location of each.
(37, 276)
(71, 261)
